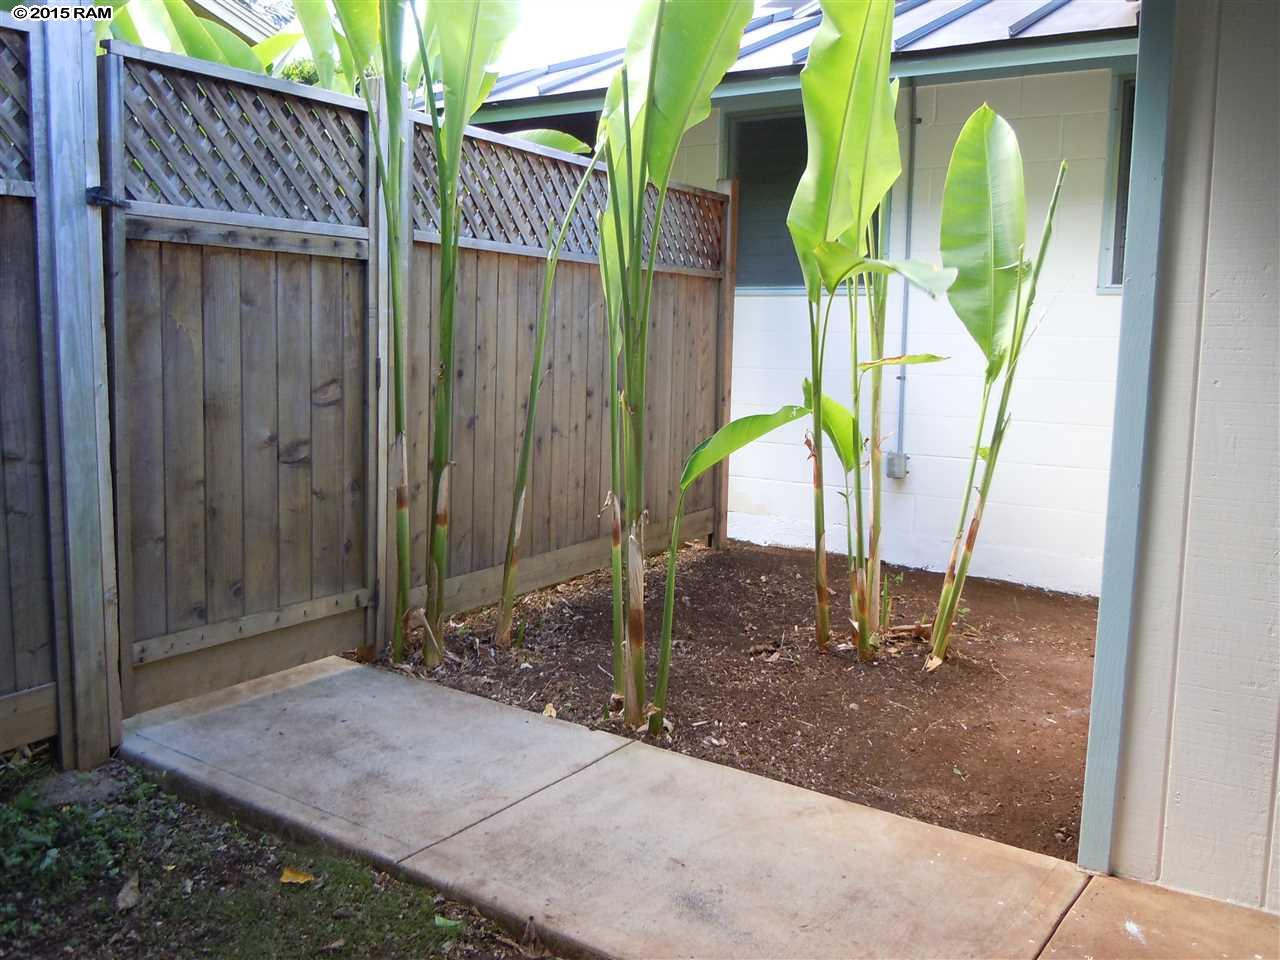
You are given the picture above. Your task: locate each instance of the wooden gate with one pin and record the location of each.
(244, 345)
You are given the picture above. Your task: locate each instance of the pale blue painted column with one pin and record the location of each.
(1121, 558)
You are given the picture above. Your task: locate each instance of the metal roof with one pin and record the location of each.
(777, 39)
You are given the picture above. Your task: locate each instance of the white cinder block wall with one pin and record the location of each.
(1044, 524)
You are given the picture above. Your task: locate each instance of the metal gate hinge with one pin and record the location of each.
(100, 197)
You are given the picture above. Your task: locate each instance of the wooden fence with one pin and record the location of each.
(230, 511)
(513, 196)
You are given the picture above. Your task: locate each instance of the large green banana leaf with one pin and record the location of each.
(361, 26)
(317, 27)
(466, 37)
(555, 139)
(934, 281)
(276, 47)
(732, 437)
(171, 25)
(984, 231)
(853, 156)
(837, 424)
(235, 52)
(677, 53)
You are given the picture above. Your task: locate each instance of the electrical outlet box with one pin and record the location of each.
(895, 465)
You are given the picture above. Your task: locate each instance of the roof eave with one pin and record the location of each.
(1083, 51)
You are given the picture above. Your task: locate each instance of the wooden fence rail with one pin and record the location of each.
(244, 288)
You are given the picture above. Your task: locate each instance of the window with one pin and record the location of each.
(1113, 260)
(768, 159)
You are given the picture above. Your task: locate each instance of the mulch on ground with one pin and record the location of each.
(992, 744)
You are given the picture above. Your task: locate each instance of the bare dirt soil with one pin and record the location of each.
(992, 744)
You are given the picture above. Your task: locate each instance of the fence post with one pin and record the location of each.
(111, 158)
(724, 352)
(377, 286)
(71, 261)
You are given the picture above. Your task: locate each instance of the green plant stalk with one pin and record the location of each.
(516, 524)
(822, 594)
(438, 537)
(629, 433)
(612, 503)
(858, 557)
(942, 618)
(876, 315)
(668, 618)
(615, 570)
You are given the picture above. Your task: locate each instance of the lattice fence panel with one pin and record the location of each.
(511, 196)
(15, 106)
(196, 141)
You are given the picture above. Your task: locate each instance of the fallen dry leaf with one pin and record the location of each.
(290, 875)
(129, 894)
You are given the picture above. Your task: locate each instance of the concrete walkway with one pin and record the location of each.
(617, 848)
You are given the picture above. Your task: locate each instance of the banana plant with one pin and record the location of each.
(515, 527)
(984, 239)
(374, 33)
(851, 164)
(837, 227)
(842, 426)
(729, 439)
(463, 39)
(676, 54)
(460, 39)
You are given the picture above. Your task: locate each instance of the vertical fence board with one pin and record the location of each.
(293, 340)
(483, 483)
(507, 408)
(461, 534)
(326, 426)
(418, 383)
(596, 388)
(27, 590)
(184, 476)
(607, 362)
(562, 388)
(224, 496)
(525, 271)
(580, 352)
(144, 370)
(354, 426)
(539, 512)
(658, 401)
(260, 441)
(680, 372)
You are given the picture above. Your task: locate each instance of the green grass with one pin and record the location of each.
(208, 887)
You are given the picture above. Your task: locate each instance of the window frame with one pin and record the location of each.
(1111, 283)
(732, 140)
